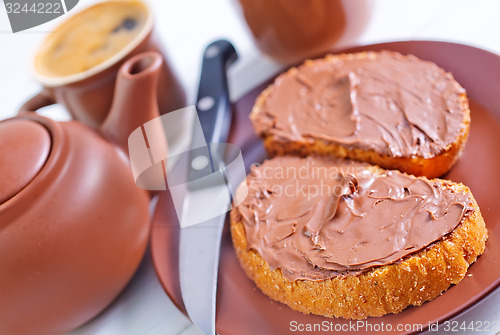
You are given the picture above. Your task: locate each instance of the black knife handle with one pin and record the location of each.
(213, 105)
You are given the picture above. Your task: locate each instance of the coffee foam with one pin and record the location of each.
(92, 38)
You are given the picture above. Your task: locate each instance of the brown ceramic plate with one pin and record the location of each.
(242, 309)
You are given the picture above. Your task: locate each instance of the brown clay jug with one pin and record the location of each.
(73, 224)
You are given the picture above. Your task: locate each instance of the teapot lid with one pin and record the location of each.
(24, 148)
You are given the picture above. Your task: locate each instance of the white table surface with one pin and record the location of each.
(186, 27)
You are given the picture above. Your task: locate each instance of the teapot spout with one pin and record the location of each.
(135, 98)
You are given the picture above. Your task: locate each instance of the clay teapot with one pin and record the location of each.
(73, 224)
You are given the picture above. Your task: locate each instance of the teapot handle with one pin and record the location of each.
(36, 102)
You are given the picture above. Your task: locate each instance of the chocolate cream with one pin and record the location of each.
(316, 218)
(396, 105)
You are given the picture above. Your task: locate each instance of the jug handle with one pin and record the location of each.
(36, 102)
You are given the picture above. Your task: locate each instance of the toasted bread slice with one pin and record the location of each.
(277, 113)
(381, 289)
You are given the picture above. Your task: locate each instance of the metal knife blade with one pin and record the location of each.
(199, 244)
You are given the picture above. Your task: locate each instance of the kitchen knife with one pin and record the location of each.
(199, 244)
